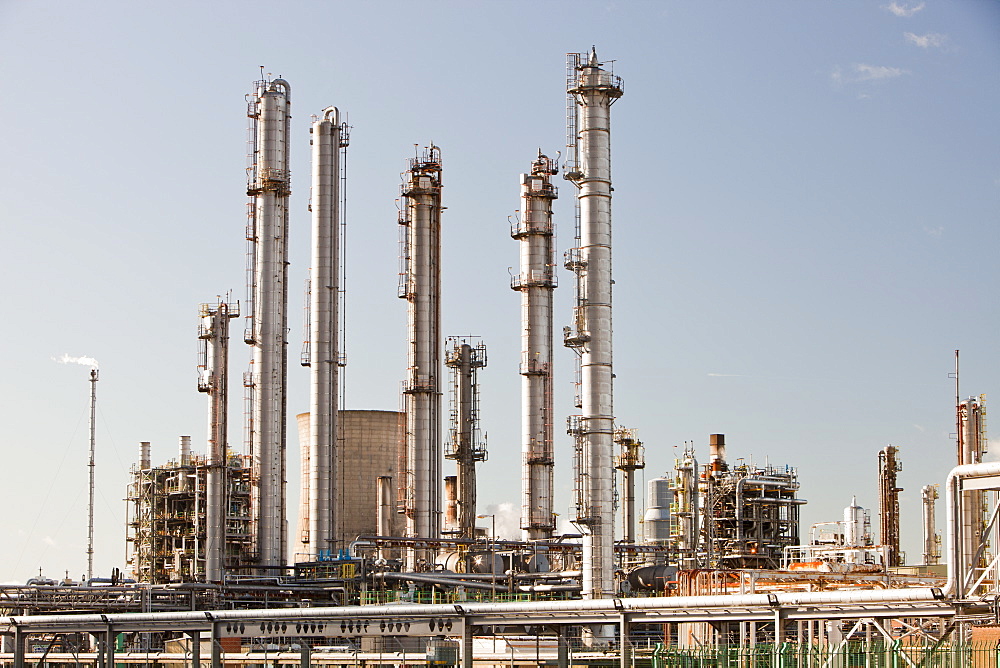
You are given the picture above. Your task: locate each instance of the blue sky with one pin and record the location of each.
(806, 201)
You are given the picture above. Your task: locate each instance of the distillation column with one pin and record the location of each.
(213, 335)
(322, 355)
(971, 446)
(630, 457)
(536, 282)
(465, 444)
(593, 91)
(932, 541)
(420, 285)
(268, 232)
(888, 466)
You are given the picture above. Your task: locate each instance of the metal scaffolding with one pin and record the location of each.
(167, 535)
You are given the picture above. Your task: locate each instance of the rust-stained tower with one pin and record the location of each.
(888, 503)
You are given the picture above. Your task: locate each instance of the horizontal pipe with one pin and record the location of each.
(203, 619)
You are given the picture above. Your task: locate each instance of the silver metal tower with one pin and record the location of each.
(932, 541)
(322, 352)
(592, 91)
(420, 285)
(537, 280)
(630, 458)
(465, 444)
(269, 188)
(213, 368)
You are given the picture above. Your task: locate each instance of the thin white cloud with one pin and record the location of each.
(863, 72)
(876, 72)
(903, 9)
(726, 375)
(931, 39)
(934, 231)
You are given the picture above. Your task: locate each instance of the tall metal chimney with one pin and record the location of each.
(420, 285)
(536, 282)
(90, 466)
(269, 188)
(322, 352)
(592, 91)
(465, 445)
(213, 369)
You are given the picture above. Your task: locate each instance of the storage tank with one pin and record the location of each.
(656, 520)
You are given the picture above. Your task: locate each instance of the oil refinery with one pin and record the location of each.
(386, 563)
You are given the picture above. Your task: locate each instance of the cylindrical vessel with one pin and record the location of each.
(854, 525)
(184, 450)
(595, 90)
(145, 462)
(451, 503)
(421, 219)
(536, 281)
(269, 187)
(971, 448)
(717, 452)
(929, 496)
(214, 331)
(324, 339)
(656, 520)
(386, 501)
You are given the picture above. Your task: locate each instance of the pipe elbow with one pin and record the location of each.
(332, 114)
(287, 88)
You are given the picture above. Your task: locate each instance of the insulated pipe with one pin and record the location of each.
(199, 619)
(421, 287)
(269, 187)
(595, 90)
(536, 282)
(324, 339)
(955, 499)
(449, 582)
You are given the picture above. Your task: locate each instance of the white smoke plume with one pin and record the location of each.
(69, 359)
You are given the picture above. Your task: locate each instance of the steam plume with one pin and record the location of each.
(68, 359)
